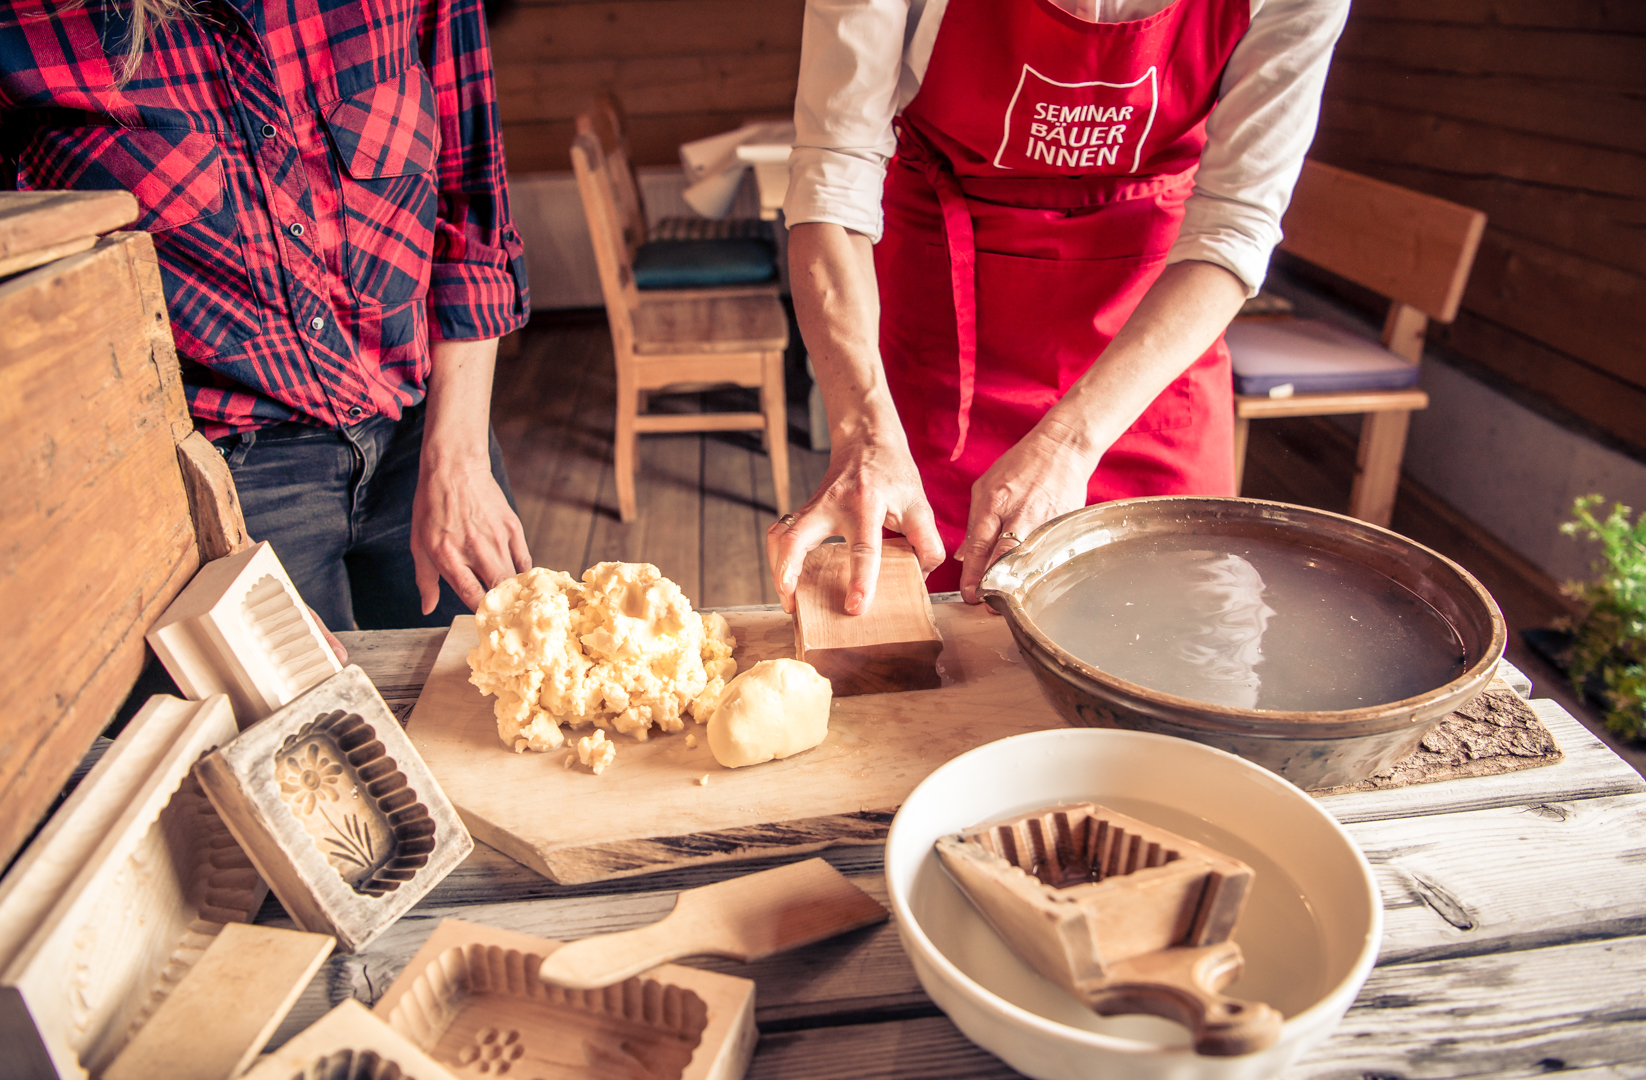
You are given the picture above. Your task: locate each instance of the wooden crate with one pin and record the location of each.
(101, 463)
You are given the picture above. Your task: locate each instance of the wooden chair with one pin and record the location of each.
(680, 341)
(1414, 249)
(701, 239)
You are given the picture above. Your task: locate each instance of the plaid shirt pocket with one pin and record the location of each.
(386, 139)
(177, 176)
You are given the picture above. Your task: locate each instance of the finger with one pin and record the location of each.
(464, 583)
(865, 556)
(518, 551)
(331, 638)
(920, 529)
(981, 534)
(428, 580)
(792, 545)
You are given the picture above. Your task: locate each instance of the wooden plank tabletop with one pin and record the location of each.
(1514, 944)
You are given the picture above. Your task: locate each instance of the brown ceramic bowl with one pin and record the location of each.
(1311, 749)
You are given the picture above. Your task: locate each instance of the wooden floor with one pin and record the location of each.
(705, 500)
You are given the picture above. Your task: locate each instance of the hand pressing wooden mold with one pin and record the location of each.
(144, 876)
(338, 811)
(240, 629)
(1125, 916)
(892, 646)
(472, 999)
(348, 1043)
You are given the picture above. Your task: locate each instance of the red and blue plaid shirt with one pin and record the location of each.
(323, 178)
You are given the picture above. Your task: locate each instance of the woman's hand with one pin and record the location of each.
(1043, 476)
(871, 484)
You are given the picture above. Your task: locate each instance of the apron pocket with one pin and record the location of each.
(178, 178)
(1041, 323)
(386, 139)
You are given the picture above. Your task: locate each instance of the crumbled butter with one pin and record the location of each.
(622, 650)
(596, 752)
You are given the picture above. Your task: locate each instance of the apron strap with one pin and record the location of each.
(957, 229)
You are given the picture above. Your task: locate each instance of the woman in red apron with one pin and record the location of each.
(1038, 354)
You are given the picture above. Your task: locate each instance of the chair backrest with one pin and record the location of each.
(604, 120)
(611, 254)
(1413, 248)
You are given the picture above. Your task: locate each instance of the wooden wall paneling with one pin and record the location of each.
(1492, 49)
(683, 70)
(1569, 303)
(719, 83)
(94, 519)
(1591, 396)
(160, 884)
(1349, 128)
(1571, 112)
(1598, 15)
(542, 32)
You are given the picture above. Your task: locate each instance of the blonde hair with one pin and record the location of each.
(144, 14)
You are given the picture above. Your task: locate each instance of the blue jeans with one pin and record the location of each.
(336, 505)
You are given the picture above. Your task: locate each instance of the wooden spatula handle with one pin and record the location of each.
(1182, 985)
(608, 958)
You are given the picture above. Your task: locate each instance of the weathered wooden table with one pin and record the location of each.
(1515, 929)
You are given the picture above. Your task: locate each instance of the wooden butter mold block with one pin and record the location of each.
(893, 646)
(337, 810)
(472, 999)
(348, 1043)
(256, 970)
(239, 628)
(152, 894)
(1125, 916)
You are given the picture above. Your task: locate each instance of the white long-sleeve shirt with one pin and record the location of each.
(862, 61)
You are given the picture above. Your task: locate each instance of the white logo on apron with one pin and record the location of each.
(1077, 127)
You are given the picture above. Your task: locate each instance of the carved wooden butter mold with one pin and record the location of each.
(1125, 916)
(337, 810)
(131, 921)
(348, 1043)
(472, 998)
(240, 628)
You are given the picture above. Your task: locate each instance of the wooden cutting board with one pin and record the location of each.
(648, 812)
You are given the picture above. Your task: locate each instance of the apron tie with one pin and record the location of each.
(957, 229)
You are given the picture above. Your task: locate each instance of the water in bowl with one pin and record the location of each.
(1248, 623)
(1279, 934)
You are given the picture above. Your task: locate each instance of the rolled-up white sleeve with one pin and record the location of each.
(1257, 136)
(851, 59)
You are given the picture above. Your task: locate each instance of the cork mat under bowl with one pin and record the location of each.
(1494, 732)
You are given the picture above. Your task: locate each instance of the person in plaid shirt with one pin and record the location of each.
(324, 182)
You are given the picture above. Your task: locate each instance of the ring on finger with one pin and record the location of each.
(787, 521)
(1011, 536)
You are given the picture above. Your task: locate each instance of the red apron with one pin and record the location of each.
(1038, 185)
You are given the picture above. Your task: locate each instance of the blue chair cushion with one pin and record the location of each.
(696, 264)
(1313, 357)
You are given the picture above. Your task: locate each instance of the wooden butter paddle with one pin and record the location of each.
(745, 919)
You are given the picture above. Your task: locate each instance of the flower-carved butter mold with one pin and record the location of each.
(336, 778)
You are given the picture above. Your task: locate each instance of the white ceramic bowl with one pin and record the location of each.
(1310, 930)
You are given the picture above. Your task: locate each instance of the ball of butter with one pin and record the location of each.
(772, 710)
